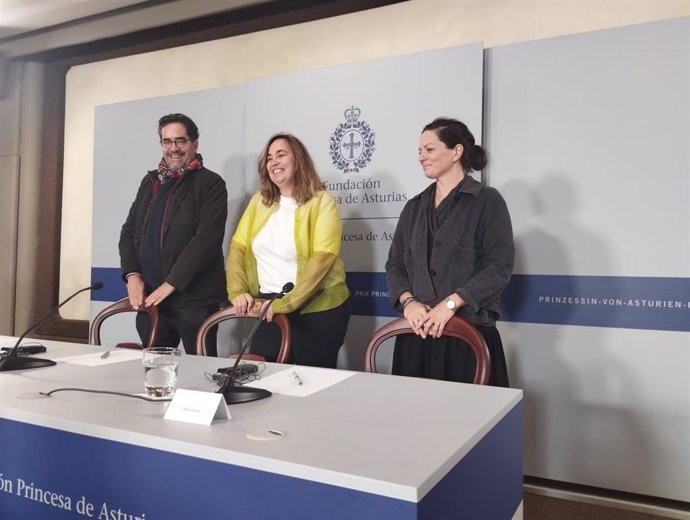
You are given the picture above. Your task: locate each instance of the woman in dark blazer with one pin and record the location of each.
(452, 253)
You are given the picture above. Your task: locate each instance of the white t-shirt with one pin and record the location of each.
(274, 248)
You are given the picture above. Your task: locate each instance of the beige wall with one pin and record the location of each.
(20, 132)
(28, 228)
(9, 180)
(397, 29)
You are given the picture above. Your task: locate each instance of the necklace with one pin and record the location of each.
(438, 198)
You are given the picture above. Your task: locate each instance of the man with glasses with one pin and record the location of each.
(171, 245)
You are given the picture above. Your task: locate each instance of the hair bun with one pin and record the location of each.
(479, 158)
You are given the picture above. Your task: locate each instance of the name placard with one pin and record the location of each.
(197, 407)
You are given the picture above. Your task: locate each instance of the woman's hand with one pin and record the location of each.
(416, 312)
(269, 313)
(243, 303)
(436, 319)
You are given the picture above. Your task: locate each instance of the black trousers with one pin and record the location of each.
(180, 323)
(447, 358)
(316, 337)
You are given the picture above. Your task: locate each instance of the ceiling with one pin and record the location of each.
(32, 26)
(22, 16)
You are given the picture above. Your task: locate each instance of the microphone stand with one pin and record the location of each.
(15, 362)
(243, 394)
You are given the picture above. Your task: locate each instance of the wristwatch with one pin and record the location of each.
(450, 303)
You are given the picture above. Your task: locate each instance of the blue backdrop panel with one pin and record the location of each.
(113, 286)
(630, 302)
(369, 294)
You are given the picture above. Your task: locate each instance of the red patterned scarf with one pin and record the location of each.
(165, 173)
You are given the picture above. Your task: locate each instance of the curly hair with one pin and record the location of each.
(307, 181)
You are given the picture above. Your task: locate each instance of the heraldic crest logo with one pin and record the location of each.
(352, 143)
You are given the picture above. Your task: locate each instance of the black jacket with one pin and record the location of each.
(192, 236)
(472, 254)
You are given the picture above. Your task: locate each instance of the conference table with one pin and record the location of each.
(354, 446)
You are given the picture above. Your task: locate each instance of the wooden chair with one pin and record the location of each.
(118, 307)
(456, 328)
(228, 313)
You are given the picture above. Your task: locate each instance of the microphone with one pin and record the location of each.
(243, 394)
(14, 362)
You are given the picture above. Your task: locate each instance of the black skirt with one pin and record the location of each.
(316, 337)
(448, 359)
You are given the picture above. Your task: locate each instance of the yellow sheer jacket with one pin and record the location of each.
(320, 284)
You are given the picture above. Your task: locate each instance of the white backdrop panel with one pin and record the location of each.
(591, 131)
(397, 97)
(589, 140)
(126, 146)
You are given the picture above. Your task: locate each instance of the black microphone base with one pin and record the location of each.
(23, 363)
(243, 394)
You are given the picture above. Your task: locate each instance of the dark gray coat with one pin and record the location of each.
(472, 253)
(192, 236)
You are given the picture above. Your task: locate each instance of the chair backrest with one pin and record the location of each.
(228, 313)
(457, 328)
(123, 305)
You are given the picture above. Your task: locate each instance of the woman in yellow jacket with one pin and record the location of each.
(290, 232)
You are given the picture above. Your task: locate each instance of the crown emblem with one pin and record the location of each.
(352, 114)
(352, 143)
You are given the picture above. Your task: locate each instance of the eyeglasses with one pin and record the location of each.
(179, 142)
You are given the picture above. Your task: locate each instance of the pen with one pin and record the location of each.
(296, 379)
(105, 354)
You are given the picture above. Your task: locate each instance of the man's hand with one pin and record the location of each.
(160, 294)
(135, 290)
